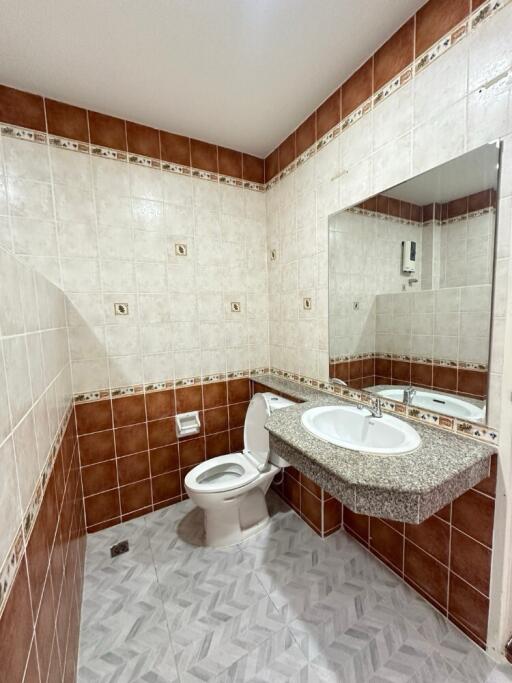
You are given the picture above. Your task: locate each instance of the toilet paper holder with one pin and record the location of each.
(188, 424)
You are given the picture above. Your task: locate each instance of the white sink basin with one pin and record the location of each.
(437, 401)
(356, 429)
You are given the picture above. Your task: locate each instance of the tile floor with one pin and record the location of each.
(282, 606)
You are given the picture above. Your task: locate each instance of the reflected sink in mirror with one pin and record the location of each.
(355, 428)
(436, 401)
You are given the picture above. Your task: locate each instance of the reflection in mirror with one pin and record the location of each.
(410, 288)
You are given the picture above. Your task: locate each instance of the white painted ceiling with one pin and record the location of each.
(470, 173)
(239, 73)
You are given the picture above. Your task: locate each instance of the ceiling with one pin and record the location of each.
(238, 73)
(465, 175)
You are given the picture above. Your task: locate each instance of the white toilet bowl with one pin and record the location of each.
(231, 488)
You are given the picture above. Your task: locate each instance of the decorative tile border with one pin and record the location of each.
(10, 566)
(19, 133)
(463, 29)
(463, 365)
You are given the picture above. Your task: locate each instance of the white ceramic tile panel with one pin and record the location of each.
(106, 232)
(35, 383)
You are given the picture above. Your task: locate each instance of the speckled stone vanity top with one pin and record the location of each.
(406, 488)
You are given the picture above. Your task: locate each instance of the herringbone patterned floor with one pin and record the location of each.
(283, 606)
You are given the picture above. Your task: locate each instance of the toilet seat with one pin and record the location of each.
(223, 473)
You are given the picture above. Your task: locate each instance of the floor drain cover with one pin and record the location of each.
(119, 548)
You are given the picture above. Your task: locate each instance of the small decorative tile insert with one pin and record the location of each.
(180, 249)
(273, 254)
(236, 307)
(121, 309)
(307, 303)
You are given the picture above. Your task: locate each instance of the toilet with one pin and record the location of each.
(231, 488)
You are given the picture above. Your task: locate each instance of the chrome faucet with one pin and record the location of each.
(335, 380)
(409, 393)
(376, 408)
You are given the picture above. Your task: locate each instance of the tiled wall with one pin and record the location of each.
(131, 460)
(42, 539)
(390, 142)
(375, 77)
(101, 131)
(446, 558)
(109, 231)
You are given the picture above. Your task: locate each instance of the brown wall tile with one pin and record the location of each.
(230, 162)
(66, 120)
(129, 410)
(238, 390)
(192, 452)
(132, 468)
(175, 148)
(332, 514)
(357, 89)
(435, 19)
(204, 156)
(468, 607)
(132, 439)
(311, 508)
(93, 417)
(96, 447)
(472, 382)
(328, 114)
(237, 413)
(102, 507)
(394, 55)
(135, 496)
(426, 573)
(160, 404)
(100, 477)
(359, 524)
(217, 444)
(471, 561)
(387, 543)
(488, 485)
(142, 140)
(162, 432)
(188, 399)
(166, 486)
(216, 420)
(444, 378)
(164, 459)
(291, 491)
(21, 108)
(473, 513)
(107, 131)
(272, 165)
(433, 536)
(253, 169)
(236, 440)
(305, 135)
(421, 374)
(215, 394)
(287, 151)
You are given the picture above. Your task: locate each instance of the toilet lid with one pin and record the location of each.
(223, 473)
(256, 440)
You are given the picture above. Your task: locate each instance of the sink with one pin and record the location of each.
(356, 429)
(435, 400)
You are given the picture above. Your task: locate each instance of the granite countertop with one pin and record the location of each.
(407, 488)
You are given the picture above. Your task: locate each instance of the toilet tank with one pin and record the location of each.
(274, 403)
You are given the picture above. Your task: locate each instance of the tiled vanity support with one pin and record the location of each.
(131, 461)
(446, 558)
(316, 506)
(40, 622)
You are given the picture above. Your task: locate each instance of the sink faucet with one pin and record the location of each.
(409, 393)
(376, 408)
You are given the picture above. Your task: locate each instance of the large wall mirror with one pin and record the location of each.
(410, 288)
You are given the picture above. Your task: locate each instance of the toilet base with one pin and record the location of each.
(239, 516)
